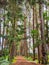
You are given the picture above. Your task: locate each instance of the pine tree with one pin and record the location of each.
(44, 57)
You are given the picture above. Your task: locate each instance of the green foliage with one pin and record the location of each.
(4, 36)
(45, 16)
(47, 3)
(1, 58)
(34, 33)
(14, 10)
(32, 2)
(17, 1)
(48, 56)
(4, 60)
(5, 52)
(38, 42)
(29, 58)
(36, 61)
(20, 32)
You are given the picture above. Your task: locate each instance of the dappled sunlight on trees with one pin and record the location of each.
(24, 31)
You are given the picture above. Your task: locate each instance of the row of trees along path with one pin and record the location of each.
(20, 60)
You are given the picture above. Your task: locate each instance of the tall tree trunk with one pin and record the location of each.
(12, 3)
(25, 41)
(3, 31)
(48, 21)
(36, 17)
(29, 35)
(44, 57)
(0, 37)
(33, 35)
(46, 28)
(13, 44)
(0, 32)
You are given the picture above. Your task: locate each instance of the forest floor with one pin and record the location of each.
(20, 60)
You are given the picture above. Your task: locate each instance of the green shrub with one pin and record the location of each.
(29, 58)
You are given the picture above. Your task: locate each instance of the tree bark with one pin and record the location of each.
(25, 41)
(44, 57)
(33, 34)
(36, 17)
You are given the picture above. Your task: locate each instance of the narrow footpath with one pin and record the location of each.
(22, 61)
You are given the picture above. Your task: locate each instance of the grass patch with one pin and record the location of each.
(4, 61)
(14, 60)
(28, 58)
(31, 59)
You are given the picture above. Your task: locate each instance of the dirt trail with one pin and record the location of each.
(22, 61)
